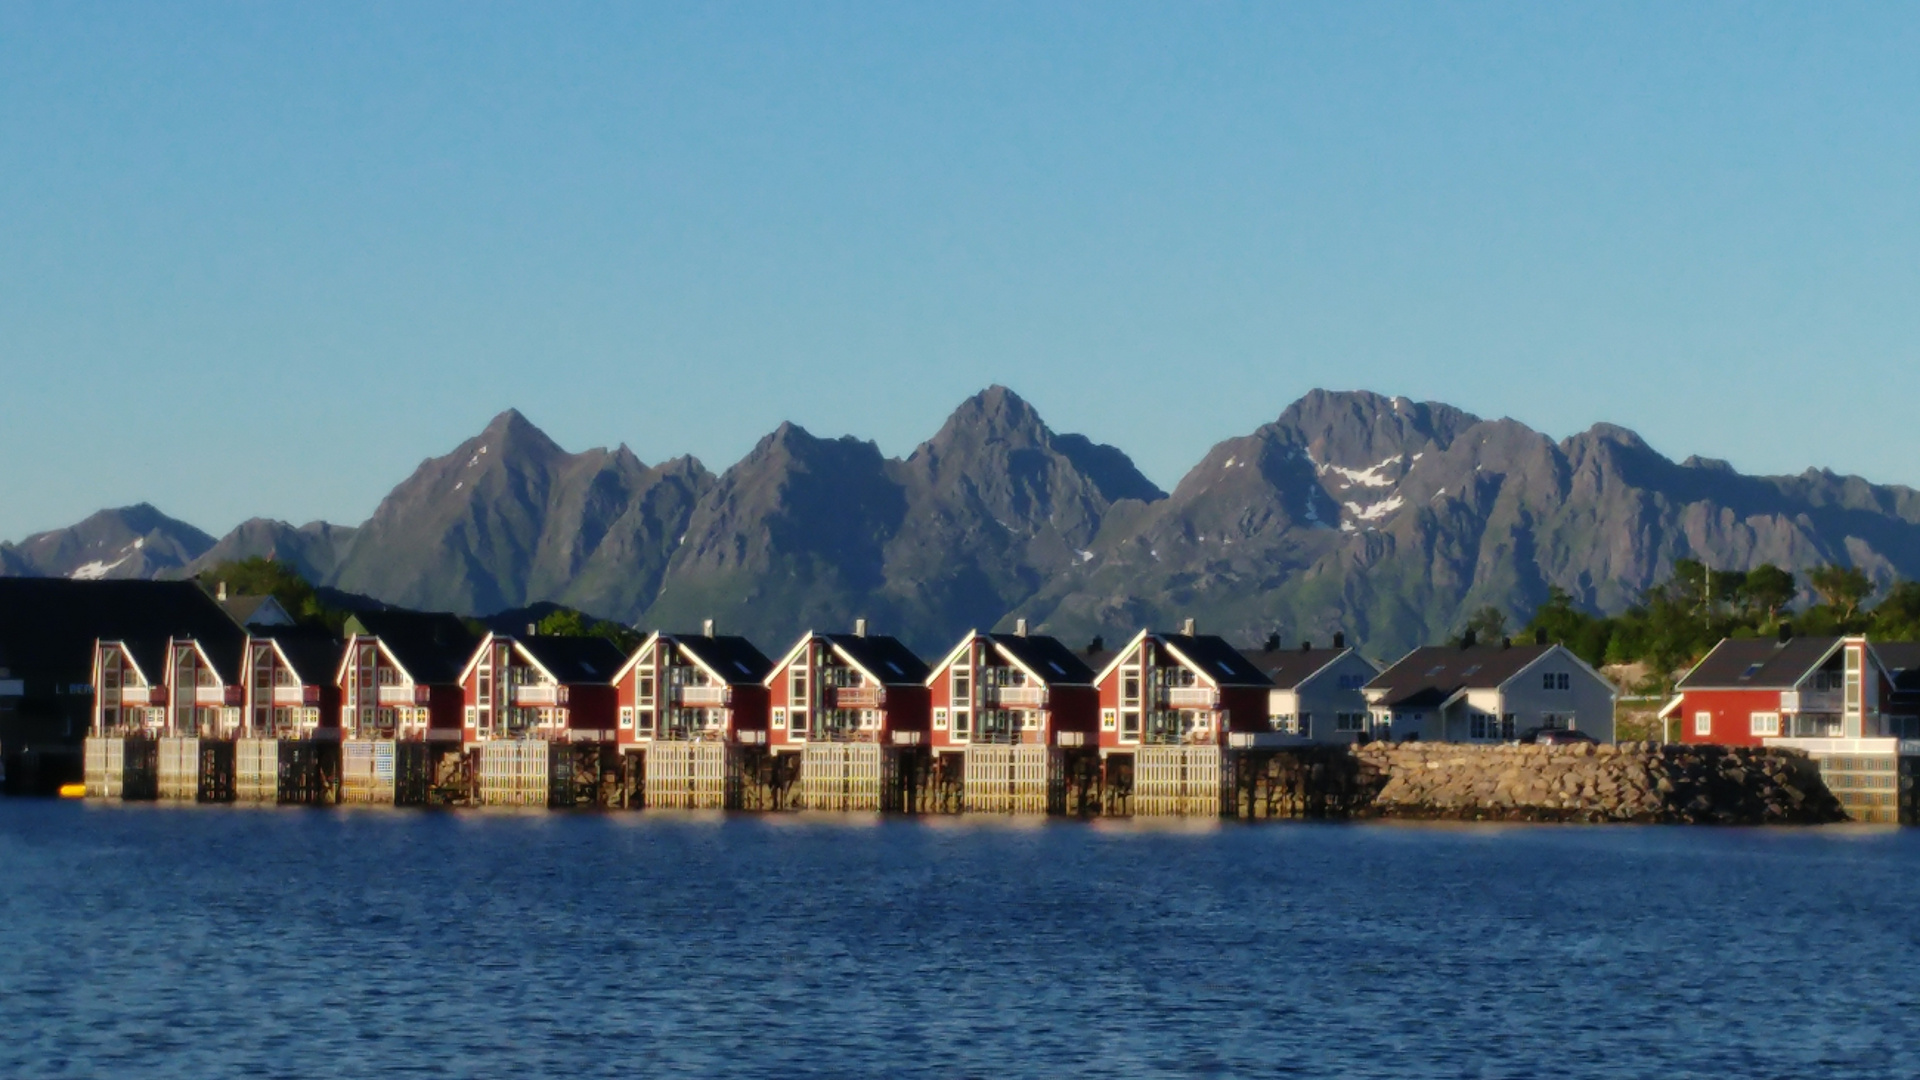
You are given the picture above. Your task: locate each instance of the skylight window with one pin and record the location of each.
(1435, 670)
(895, 667)
(1224, 666)
(1752, 670)
(1470, 671)
(1057, 669)
(742, 667)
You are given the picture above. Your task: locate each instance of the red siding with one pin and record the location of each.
(1732, 714)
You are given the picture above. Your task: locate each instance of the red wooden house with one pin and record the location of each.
(1747, 691)
(1016, 689)
(290, 688)
(694, 687)
(1185, 689)
(399, 676)
(848, 688)
(554, 689)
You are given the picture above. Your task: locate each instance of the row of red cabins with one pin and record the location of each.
(411, 676)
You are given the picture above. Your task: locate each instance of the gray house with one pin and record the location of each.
(1317, 693)
(1489, 693)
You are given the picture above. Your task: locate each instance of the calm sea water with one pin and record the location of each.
(200, 942)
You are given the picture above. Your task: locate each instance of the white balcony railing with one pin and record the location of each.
(1192, 697)
(216, 695)
(704, 696)
(402, 694)
(296, 695)
(1812, 701)
(532, 694)
(856, 697)
(1017, 697)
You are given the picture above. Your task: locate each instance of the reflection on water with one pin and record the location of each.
(204, 942)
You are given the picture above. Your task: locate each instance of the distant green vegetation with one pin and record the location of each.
(1677, 622)
(567, 622)
(261, 576)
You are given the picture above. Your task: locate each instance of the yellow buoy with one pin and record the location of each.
(73, 791)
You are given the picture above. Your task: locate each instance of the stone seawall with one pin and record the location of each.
(1644, 782)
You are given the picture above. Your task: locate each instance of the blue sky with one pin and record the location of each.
(263, 259)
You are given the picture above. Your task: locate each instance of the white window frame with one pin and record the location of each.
(940, 719)
(779, 718)
(1703, 723)
(626, 718)
(1109, 720)
(1763, 724)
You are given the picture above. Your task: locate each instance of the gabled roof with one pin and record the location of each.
(1428, 677)
(573, 659)
(431, 646)
(1207, 655)
(253, 611)
(1759, 663)
(733, 660)
(313, 654)
(1288, 668)
(882, 658)
(48, 626)
(1044, 658)
(1901, 659)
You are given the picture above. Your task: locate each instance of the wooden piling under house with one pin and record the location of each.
(541, 720)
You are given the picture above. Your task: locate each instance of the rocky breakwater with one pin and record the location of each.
(1645, 782)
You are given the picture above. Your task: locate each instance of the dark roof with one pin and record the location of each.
(1758, 663)
(433, 646)
(1289, 668)
(1221, 661)
(735, 658)
(888, 660)
(243, 608)
(48, 625)
(1902, 661)
(1426, 677)
(1046, 657)
(576, 659)
(313, 653)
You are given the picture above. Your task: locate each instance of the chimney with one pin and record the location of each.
(1306, 646)
(1273, 642)
(1339, 640)
(1020, 627)
(859, 628)
(1186, 627)
(1469, 639)
(706, 628)
(220, 592)
(1096, 645)
(1786, 631)
(533, 630)
(1506, 643)
(1540, 636)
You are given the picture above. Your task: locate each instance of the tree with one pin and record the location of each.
(567, 622)
(1897, 616)
(1487, 624)
(1843, 588)
(1768, 590)
(259, 576)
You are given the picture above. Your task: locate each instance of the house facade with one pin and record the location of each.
(1318, 693)
(399, 677)
(1185, 689)
(289, 687)
(552, 689)
(848, 688)
(1489, 693)
(693, 688)
(1748, 691)
(1012, 689)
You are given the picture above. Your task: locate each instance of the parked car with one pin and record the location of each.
(1556, 736)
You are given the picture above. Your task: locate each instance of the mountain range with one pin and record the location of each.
(1379, 516)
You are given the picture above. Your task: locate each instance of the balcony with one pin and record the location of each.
(401, 694)
(1812, 701)
(1191, 697)
(297, 695)
(143, 695)
(216, 695)
(535, 696)
(696, 697)
(856, 697)
(1017, 697)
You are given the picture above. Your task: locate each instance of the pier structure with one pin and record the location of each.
(287, 749)
(401, 709)
(849, 724)
(540, 722)
(1175, 708)
(122, 755)
(693, 725)
(1015, 727)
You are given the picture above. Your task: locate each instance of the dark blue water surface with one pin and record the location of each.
(199, 942)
